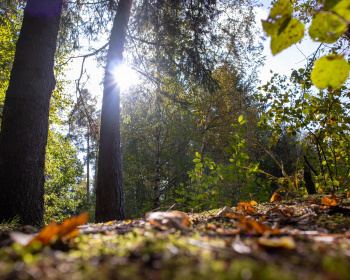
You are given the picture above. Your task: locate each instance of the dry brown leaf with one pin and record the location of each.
(174, 219)
(67, 230)
(224, 211)
(246, 208)
(275, 197)
(282, 211)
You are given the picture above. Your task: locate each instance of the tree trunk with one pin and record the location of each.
(309, 184)
(156, 188)
(25, 120)
(109, 192)
(88, 169)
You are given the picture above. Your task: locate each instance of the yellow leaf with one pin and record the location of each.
(276, 197)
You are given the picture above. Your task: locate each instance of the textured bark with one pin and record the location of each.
(309, 184)
(25, 120)
(109, 192)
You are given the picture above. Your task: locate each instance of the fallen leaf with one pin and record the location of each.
(347, 194)
(175, 219)
(332, 201)
(127, 221)
(251, 226)
(232, 215)
(281, 210)
(224, 211)
(275, 197)
(109, 223)
(253, 202)
(245, 207)
(211, 227)
(284, 242)
(67, 230)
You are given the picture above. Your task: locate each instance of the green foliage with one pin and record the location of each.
(10, 24)
(63, 171)
(328, 25)
(206, 188)
(320, 119)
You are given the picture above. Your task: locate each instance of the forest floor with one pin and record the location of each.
(289, 239)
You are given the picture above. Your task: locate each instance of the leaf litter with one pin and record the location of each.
(305, 238)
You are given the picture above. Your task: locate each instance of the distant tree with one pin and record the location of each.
(25, 119)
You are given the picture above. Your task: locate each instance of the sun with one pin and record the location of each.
(125, 76)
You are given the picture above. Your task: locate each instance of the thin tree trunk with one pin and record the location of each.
(88, 170)
(109, 192)
(25, 120)
(156, 188)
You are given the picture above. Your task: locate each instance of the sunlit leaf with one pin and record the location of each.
(275, 197)
(326, 27)
(343, 9)
(282, 38)
(281, 8)
(330, 71)
(245, 207)
(240, 118)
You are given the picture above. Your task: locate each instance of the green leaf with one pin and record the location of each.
(330, 71)
(326, 27)
(198, 155)
(197, 160)
(282, 8)
(343, 9)
(329, 4)
(240, 119)
(306, 95)
(281, 40)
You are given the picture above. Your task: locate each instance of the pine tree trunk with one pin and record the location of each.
(25, 122)
(88, 170)
(109, 192)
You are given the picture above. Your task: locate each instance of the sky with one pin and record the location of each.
(292, 58)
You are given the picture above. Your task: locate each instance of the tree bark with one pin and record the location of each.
(25, 122)
(109, 192)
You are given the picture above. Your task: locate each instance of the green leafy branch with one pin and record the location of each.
(327, 26)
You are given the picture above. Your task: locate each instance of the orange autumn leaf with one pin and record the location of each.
(232, 215)
(127, 221)
(68, 229)
(276, 197)
(253, 202)
(347, 194)
(245, 207)
(329, 201)
(251, 226)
